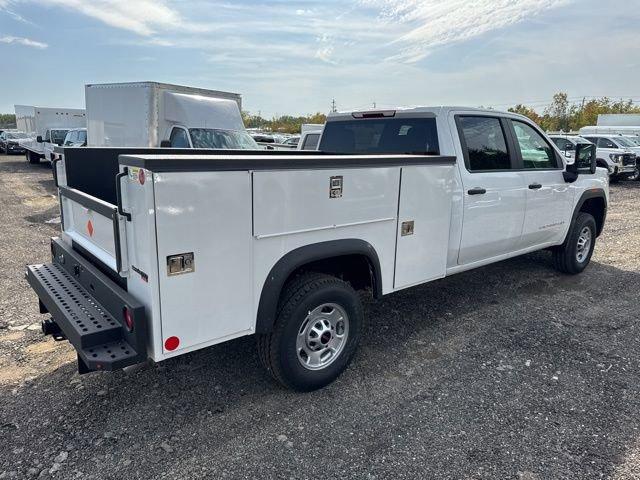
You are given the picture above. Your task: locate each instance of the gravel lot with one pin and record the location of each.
(512, 371)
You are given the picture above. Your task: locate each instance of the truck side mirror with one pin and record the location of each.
(39, 139)
(585, 158)
(584, 163)
(165, 144)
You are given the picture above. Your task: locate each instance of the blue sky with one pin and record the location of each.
(295, 56)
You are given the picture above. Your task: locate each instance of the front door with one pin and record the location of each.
(549, 197)
(494, 193)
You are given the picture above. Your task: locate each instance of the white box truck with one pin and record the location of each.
(162, 254)
(46, 128)
(151, 114)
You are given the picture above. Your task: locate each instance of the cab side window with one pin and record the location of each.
(606, 143)
(484, 143)
(82, 137)
(536, 152)
(179, 138)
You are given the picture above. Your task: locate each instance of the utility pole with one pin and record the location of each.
(334, 108)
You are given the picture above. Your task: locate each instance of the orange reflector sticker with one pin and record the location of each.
(90, 228)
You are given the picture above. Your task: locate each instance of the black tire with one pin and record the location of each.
(301, 296)
(34, 158)
(566, 257)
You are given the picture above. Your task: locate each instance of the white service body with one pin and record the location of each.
(238, 224)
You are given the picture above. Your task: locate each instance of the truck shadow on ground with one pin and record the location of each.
(504, 365)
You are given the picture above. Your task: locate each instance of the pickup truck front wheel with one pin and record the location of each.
(316, 334)
(574, 255)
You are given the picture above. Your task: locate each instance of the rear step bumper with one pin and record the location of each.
(88, 308)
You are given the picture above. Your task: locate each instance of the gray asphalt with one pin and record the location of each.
(512, 371)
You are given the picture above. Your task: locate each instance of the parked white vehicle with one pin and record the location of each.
(46, 128)
(610, 130)
(163, 254)
(567, 144)
(615, 153)
(151, 114)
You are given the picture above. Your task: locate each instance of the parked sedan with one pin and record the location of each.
(10, 142)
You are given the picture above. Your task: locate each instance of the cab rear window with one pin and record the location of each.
(382, 136)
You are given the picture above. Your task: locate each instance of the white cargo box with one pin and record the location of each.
(142, 114)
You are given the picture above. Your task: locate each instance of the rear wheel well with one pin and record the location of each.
(355, 269)
(597, 208)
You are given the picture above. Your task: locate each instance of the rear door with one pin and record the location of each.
(549, 197)
(494, 192)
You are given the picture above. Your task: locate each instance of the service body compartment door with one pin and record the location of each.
(423, 224)
(203, 220)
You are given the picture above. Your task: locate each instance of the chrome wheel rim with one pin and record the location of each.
(584, 244)
(322, 336)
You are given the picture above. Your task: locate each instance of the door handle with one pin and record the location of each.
(535, 186)
(477, 191)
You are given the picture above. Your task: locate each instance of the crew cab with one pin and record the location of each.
(166, 252)
(616, 154)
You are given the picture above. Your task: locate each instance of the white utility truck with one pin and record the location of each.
(46, 128)
(164, 253)
(151, 114)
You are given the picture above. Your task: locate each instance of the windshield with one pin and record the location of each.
(634, 140)
(625, 142)
(16, 135)
(222, 139)
(385, 135)
(57, 136)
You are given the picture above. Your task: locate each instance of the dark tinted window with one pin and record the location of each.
(536, 152)
(179, 138)
(563, 143)
(606, 143)
(486, 146)
(385, 135)
(311, 141)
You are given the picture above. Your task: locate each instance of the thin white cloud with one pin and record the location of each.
(144, 17)
(434, 23)
(27, 42)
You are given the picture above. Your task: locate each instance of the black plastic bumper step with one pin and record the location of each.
(97, 336)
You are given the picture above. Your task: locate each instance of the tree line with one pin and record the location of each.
(7, 120)
(281, 124)
(563, 115)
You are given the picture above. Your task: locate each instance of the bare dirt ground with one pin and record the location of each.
(512, 371)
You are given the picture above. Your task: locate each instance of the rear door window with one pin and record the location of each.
(484, 143)
(381, 136)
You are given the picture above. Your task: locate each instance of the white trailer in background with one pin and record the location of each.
(46, 128)
(151, 114)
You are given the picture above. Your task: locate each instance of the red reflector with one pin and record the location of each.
(171, 343)
(128, 319)
(141, 177)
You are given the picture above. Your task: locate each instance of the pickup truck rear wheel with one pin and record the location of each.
(574, 255)
(316, 333)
